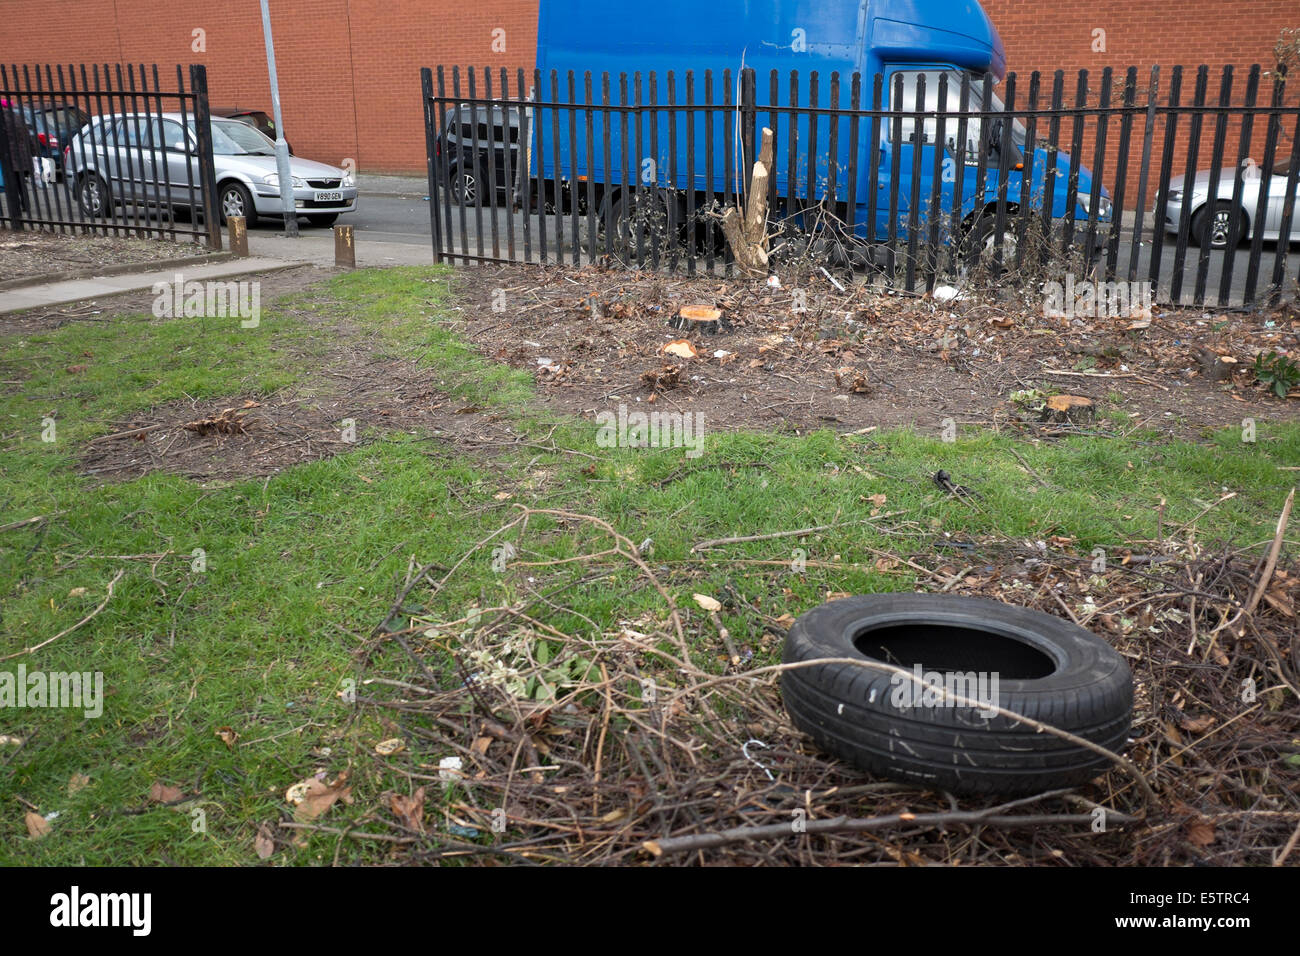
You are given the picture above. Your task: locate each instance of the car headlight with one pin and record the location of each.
(348, 178)
(273, 179)
(1103, 205)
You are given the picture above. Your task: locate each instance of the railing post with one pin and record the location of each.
(207, 169)
(748, 124)
(430, 151)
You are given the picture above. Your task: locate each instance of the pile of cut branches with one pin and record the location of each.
(652, 741)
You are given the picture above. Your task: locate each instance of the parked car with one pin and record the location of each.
(120, 158)
(260, 120)
(467, 171)
(1213, 224)
(53, 125)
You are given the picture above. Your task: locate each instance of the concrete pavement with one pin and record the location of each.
(77, 290)
(317, 247)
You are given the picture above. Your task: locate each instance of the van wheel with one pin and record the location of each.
(93, 196)
(983, 236)
(639, 221)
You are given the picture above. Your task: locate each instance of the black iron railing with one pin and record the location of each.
(115, 151)
(1108, 181)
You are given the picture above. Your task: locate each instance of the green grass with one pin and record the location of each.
(301, 567)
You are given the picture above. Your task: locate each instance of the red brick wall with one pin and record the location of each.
(1158, 32)
(349, 80)
(1047, 37)
(348, 69)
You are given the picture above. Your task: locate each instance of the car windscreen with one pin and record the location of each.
(232, 138)
(35, 120)
(66, 118)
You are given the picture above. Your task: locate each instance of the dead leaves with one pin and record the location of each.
(852, 380)
(264, 842)
(664, 378)
(315, 795)
(1196, 725)
(1199, 831)
(163, 793)
(409, 810)
(37, 825)
(708, 603)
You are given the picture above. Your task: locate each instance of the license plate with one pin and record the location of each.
(329, 197)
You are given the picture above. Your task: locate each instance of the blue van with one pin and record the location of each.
(916, 45)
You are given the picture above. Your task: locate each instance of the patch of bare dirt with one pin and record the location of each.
(31, 253)
(807, 355)
(353, 397)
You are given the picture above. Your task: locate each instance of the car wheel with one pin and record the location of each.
(1215, 227)
(234, 200)
(1046, 669)
(324, 220)
(93, 196)
(464, 187)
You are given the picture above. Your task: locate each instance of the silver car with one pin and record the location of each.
(1213, 224)
(120, 158)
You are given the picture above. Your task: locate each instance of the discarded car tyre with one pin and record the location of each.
(1025, 661)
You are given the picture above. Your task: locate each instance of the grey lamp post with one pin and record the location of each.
(281, 145)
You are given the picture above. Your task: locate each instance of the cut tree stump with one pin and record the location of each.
(704, 319)
(1216, 367)
(1069, 409)
(746, 230)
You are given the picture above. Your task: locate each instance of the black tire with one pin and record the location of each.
(93, 196)
(1048, 669)
(1215, 228)
(983, 236)
(639, 219)
(234, 200)
(324, 220)
(464, 186)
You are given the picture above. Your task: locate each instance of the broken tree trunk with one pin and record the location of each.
(746, 231)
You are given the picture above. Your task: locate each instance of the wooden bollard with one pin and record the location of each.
(345, 250)
(238, 227)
